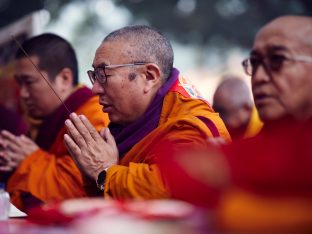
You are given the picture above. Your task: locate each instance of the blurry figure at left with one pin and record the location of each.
(232, 100)
(46, 172)
(12, 122)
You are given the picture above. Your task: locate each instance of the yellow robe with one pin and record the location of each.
(53, 176)
(254, 126)
(137, 175)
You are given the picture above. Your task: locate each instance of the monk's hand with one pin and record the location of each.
(15, 149)
(91, 151)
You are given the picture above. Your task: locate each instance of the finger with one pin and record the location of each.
(7, 155)
(8, 136)
(81, 128)
(6, 168)
(28, 145)
(3, 141)
(11, 141)
(94, 134)
(16, 157)
(73, 153)
(74, 134)
(26, 139)
(12, 164)
(4, 155)
(102, 133)
(14, 146)
(71, 146)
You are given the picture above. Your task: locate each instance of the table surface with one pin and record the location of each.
(22, 226)
(91, 216)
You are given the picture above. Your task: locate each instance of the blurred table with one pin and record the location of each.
(96, 216)
(22, 226)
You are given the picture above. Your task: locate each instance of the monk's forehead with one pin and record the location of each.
(292, 33)
(114, 51)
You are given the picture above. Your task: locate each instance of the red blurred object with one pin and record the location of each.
(277, 162)
(179, 168)
(66, 212)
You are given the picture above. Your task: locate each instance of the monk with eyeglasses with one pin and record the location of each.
(262, 184)
(148, 102)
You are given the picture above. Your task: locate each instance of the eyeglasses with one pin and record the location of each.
(99, 73)
(271, 63)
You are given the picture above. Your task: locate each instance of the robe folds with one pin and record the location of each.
(185, 119)
(50, 174)
(261, 184)
(272, 181)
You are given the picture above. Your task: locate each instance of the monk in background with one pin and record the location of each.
(263, 183)
(232, 100)
(44, 170)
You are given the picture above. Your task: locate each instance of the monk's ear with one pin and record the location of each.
(152, 77)
(64, 80)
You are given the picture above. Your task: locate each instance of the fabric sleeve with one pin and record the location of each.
(141, 178)
(46, 177)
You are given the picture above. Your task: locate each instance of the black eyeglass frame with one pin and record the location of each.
(103, 79)
(267, 64)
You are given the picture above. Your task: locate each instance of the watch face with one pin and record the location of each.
(101, 178)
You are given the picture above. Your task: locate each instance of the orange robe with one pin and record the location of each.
(52, 175)
(137, 175)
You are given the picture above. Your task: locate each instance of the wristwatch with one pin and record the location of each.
(100, 182)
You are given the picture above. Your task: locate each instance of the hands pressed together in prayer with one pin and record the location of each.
(14, 149)
(92, 151)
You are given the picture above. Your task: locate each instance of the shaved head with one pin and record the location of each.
(233, 91)
(145, 44)
(232, 100)
(294, 28)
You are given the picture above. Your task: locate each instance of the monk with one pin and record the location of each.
(148, 102)
(232, 100)
(45, 171)
(262, 184)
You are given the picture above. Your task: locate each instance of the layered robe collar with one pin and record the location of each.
(127, 136)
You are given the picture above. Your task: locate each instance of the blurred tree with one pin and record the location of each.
(11, 10)
(221, 23)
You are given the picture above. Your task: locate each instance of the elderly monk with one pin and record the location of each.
(45, 171)
(266, 181)
(148, 102)
(232, 100)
